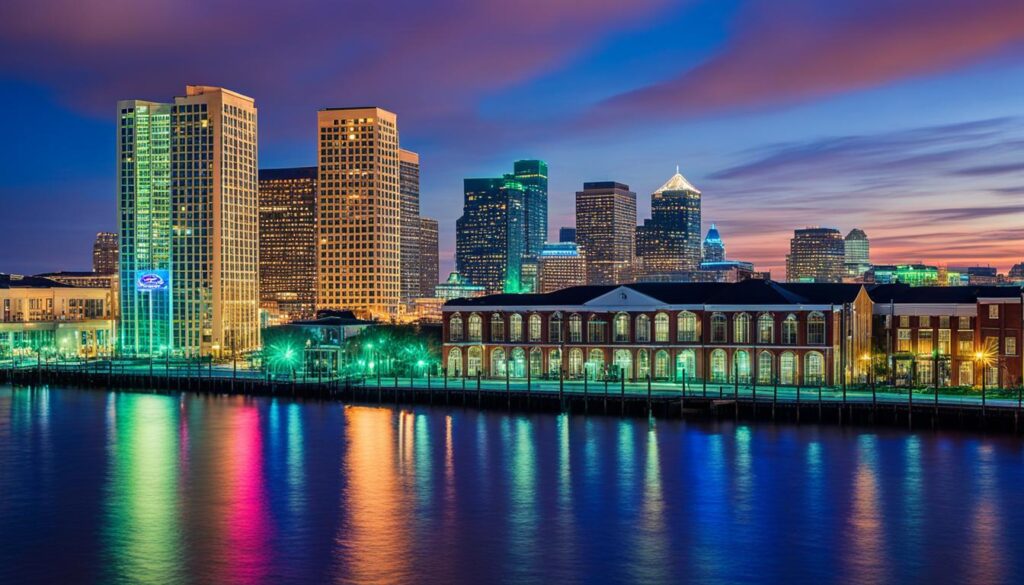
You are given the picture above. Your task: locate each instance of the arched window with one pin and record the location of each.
(661, 362)
(498, 363)
(623, 363)
(789, 330)
(741, 367)
(497, 328)
(765, 329)
(741, 328)
(787, 368)
(764, 368)
(555, 328)
(643, 329)
(621, 328)
(535, 324)
(575, 328)
(814, 368)
(575, 362)
(515, 327)
(643, 364)
(455, 328)
(476, 326)
(517, 367)
(555, 363)
(536, 362)
(686, 326)
(816, 329)
(596, 329)
(454, 362)
(661, 328)
(473, 359)
(686, 365)
(718, 373)
(718, 328)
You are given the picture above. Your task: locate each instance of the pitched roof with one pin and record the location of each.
(677, 182)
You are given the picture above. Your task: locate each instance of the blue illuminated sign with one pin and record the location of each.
(149, 280)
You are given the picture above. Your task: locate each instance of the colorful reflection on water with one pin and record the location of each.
(136, 488)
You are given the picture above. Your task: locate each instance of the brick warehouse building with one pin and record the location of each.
(799, 333)
(947, 336)
(754, 331)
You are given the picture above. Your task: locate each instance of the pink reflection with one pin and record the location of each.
(246, 537)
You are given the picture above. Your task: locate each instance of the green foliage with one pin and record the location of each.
(394, 349)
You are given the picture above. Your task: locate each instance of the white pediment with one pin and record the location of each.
(624, 298)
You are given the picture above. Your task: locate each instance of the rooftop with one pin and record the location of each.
(677, 182)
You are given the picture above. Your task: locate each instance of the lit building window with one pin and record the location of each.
(816, 329)
(621, 326)
(661, 328)
(741, 328)
(718, 328)
(765, 329)
(475, 327)
(686, 325)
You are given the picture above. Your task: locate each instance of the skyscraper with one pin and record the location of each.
(188, 218)
(669, 241)
(359, 211)
(409, 188)
(215, 215)
(144, 226)
(104, 253)
(428, 270)
(490, 237)
(561, 265)
(857, 253)
(533, 176)
(815, 255)
(288, 241)
(606, 230)
(714, 248)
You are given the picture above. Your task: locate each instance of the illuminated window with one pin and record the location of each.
(993, 311)
(686, 364)
(621, 326)
(475, 327)
(575, 362)
(595, 330)
(555, 328)
(515, 327)
(903, 340)
(575, 328)
(623, 363)
(924, 341)
(741, 328)
(945, 337)
(686, 325)
(454, 362)
(718, 366)
(1010, 345)
(661, 362)
(814, 368)
(765, 328)
(455, 328)
(498, 362)
(535, 327)
(741, 367)
(787, 368)
(554, 363)
(536, 362)
(661, 328)
(764, 367)
(643, 329)
(789, 327)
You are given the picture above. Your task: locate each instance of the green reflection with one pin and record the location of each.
(143, 535)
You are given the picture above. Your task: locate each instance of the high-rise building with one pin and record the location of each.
(144, 227)
(606, 230)
(561, 265)
(816, 255)
(714, 248)
(189, 224)
(104, 253)
(669, 241)
(359, 211)
(533, 176)
(429, 269)
(490, 237)
(857, 253)
(566, 234)
(409, 188)
(288, 241)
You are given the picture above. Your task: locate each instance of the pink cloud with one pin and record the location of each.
(784, 51)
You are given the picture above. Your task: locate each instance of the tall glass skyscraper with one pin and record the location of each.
(490, 237)
(288, 241)
(533, 175)
(606, 231)
(188, 222)
(857, 253)
(815, 255)
(669, 242)
(144, 226)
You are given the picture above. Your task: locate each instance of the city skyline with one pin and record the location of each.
(933, 180)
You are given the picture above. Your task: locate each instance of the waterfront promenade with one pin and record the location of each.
(861, 404)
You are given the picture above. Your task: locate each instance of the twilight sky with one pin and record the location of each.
(902, 117)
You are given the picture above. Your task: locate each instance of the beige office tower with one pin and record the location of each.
(606, 230)
(215, 223)
(359, 212)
